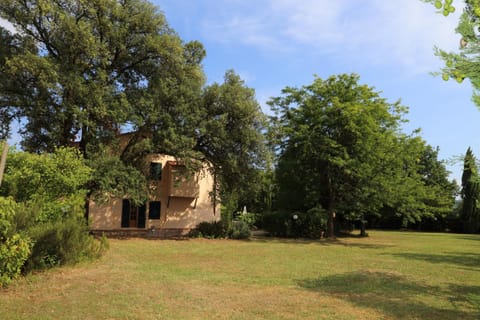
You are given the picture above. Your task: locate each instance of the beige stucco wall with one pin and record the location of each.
(181, 213)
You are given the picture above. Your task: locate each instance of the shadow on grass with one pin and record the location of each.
(323, 242)
(466, 295)
(459, 259)
(472, 237)
(395, 296)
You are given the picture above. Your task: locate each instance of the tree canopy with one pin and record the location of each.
(230, 137)
(463, 64)
(89, 68)
(470, 194)
(341, 149)
(87, 71)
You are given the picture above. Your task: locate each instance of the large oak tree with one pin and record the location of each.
(88, 70)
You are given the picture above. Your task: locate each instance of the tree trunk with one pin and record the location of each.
(363, 232)
(86, 207)
(331, 210)
(331, 223)
(83, 141)
(3, 161)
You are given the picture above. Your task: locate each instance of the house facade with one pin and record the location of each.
(177, 202)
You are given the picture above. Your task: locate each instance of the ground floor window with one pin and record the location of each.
(133, 216)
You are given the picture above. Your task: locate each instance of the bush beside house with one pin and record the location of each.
(41, 213)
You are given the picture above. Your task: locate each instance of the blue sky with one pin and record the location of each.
(272, 44)
(277, 43)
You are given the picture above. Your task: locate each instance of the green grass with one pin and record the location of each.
(390, 275)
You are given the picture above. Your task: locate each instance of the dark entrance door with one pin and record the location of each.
(133, 216)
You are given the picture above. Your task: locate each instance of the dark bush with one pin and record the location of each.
(214, 229)
(277, 224)
(311, 224)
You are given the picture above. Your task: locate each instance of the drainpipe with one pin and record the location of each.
(3, 161)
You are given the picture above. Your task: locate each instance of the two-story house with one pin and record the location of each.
(178, 201)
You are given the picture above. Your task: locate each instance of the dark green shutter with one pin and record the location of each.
(142, 216)
(125, 213)
(154, 210)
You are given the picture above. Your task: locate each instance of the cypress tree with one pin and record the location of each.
(470, 193)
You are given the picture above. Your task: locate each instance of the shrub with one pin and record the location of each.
(239, 230)
(314, 223)
(220, 229)
(226, 217)
(14, 247)
(41, 224)
(276, 223)
(52, 185)
(62, 242)
(248, 217)
(14, 251)
(214, 229)
(310, 224)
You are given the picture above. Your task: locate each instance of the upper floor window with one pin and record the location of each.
(156, 171)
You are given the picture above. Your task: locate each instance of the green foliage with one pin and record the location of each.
(14, 251)
(239, 230)
(112, 177)
(230, 136)
(340, 148)
(62, 242)
(43, 217)
(470, 213)
(14, 247)
(445, 6)
(249, 218)
(221, 229)
(8, 208)
(226, 211)
(335, 139)
(52, 175)
(52, 186)
(310, 224)
(313, 223)
(104, 64)
(420, 191)
(10, 45)
(212, 230)
(259, 195)
(463, 64)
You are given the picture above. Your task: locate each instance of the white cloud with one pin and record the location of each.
(389, 33)
(312, 22)
(373, 32)
(246, 29)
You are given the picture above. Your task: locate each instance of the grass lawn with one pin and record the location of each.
(390, 275)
